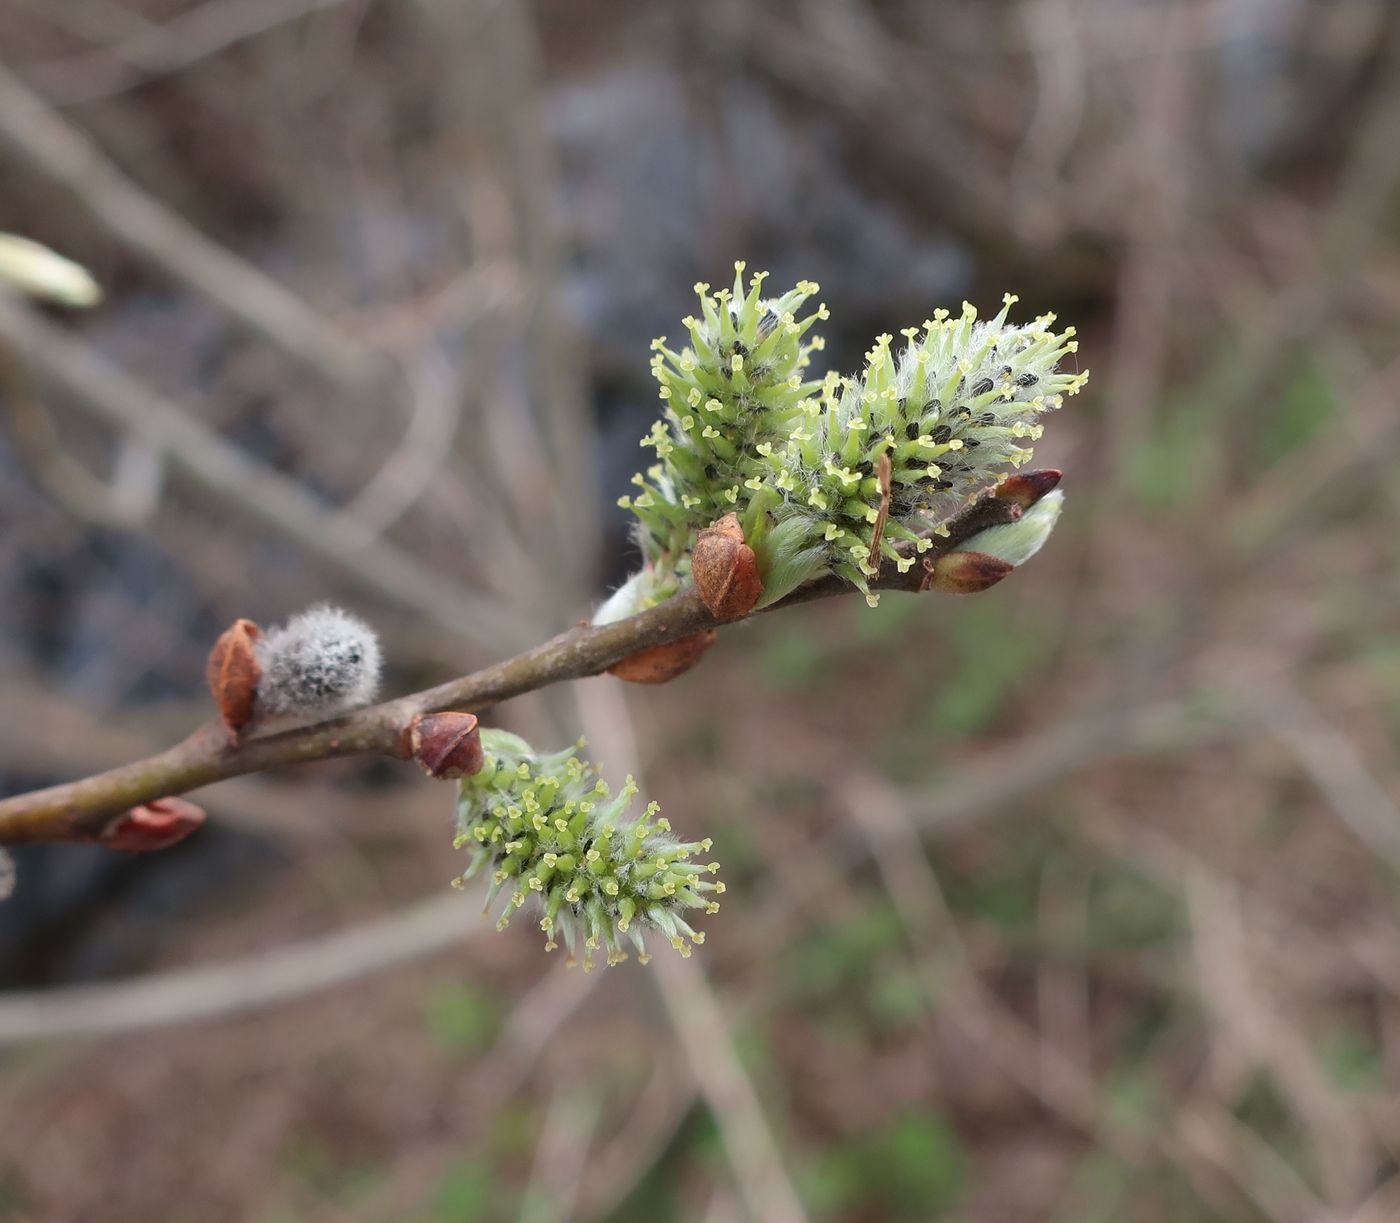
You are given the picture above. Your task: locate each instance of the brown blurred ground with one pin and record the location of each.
(1073, 902)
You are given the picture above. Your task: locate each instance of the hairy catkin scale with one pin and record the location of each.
(549, 830)
(322, 661)
(829, 476)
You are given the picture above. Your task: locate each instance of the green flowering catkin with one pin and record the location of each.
(547, 828)
(807, 465)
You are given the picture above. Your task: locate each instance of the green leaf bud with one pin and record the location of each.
(1016, 542)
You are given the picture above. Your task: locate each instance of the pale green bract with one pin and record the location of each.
(1016, 542)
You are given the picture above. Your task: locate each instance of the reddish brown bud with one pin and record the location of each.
(658, 663)
(1027, 487)
(446, 745)
(158, 824)
(726, 570)
(233, 674)
(963, 573)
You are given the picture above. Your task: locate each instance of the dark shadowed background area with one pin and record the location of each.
(1072, 902)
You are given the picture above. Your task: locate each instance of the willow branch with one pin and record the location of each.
(80, 810)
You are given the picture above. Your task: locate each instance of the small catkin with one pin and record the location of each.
(547, 829)
(320, 662)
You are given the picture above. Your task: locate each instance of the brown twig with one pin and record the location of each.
(81, 810)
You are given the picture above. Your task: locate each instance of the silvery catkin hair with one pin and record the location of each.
(321, 661)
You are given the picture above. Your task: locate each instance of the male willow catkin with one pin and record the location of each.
(831, 475)
(548, 829)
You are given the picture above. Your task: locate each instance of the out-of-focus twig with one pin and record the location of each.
(31, 431)
(32, 130)
(560, 1155)
(700, 1027)
(1012, 1050)
(104, 388)
(1254, 1025)
(226, 990)
(162, 49)
(1333, 764)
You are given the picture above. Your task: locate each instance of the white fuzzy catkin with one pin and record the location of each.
(320, 662)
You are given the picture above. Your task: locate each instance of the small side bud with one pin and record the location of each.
(1026, 488)
(43, 274)
(725, 570)
(659, 663)
(233, 673)
(964, 573)
(159, 824)
(446, 745)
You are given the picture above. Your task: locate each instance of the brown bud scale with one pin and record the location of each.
(884, 473)
(446, 745)
(964, 573)
(159, 824)
(726, 570)
(233, 674)
(1027, 487)
(658, 663)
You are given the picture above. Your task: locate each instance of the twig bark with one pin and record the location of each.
(80, 810)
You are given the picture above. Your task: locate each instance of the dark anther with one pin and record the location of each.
(1027, 379)
(942, 434)
(983, 387)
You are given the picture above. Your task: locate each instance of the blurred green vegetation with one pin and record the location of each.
(461, 1018)
(911, 1167)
